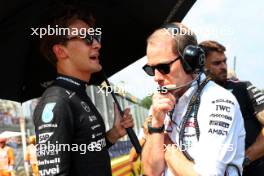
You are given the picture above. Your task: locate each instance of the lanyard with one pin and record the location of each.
(193, 108)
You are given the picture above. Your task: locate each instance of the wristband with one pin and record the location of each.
(155, 130)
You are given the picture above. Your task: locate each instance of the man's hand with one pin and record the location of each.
(120, 125)
(260, 117)
(172, 153)
(256, 150)
(161, 104)
(177, 162)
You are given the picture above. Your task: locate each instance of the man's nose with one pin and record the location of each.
(96, 44)
(223, 65)
(158, 76)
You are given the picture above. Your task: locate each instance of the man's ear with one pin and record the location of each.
(60, 51)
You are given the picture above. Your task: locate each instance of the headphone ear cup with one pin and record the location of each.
(201, 58)
(193, 59)
(186, 66)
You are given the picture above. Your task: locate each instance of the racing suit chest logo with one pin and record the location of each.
(85, 106)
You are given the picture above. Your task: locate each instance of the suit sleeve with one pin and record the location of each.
(54, 131)
(256, 97)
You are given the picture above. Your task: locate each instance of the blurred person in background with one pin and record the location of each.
(31, 155)
(251, 101)
(133, 156)
(142, 139)
(7, 159)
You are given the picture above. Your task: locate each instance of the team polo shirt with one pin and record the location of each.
(222, 134)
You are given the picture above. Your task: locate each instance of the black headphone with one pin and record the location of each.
(193, 56)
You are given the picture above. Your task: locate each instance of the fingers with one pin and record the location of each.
(127, 120)
(170, 147)
(161, 104)
(116, 108)
(165, 104)
(127, 111)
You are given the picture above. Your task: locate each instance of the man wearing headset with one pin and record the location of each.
(251, 101)
(204, 131)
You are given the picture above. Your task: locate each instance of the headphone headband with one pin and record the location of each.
(192, 57)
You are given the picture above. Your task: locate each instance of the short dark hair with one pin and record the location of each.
(66, 17)
(211, 46)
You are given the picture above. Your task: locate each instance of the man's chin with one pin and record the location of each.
(220, 78)
(97, 69)
(100, 68)
(223, 78)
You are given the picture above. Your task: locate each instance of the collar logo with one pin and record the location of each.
(85, 106)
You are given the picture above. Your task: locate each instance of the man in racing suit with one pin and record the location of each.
(71, 137)
(204, 131)
(251, 101)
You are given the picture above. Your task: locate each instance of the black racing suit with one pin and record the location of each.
(66, 119)
(251, 101)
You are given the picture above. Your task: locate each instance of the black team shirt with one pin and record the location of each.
(71, 137)
(251, 102)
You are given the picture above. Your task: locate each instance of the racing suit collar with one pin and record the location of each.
(71, 83)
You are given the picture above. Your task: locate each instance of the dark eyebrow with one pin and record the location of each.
(218, 62)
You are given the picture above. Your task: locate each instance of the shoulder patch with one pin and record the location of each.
(47, 114)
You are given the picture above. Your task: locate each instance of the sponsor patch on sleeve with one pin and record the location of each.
(47, 114)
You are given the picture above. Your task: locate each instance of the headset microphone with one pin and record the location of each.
(171, 87)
